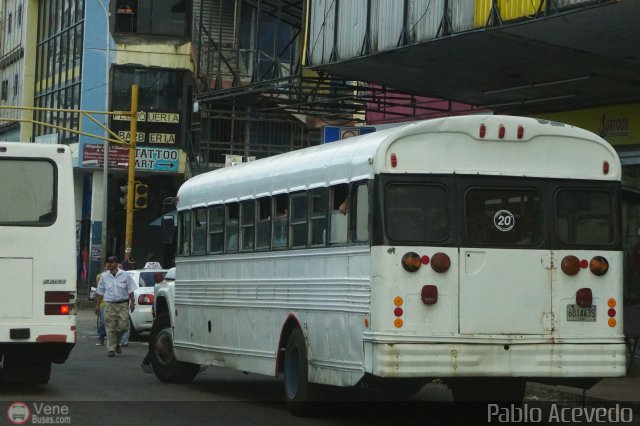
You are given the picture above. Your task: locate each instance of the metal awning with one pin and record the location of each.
(581, 58)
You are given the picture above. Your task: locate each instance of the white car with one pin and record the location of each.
(142, 317)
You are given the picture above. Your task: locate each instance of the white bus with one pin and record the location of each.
(481, 250)
(37, 260)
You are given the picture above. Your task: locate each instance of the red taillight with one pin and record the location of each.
(520, 132)
(584, 298)
(570, 265)
(429, 294)
(58, 296)
(424, 260)
(501, 131)
(59, 302)
(440, 262)
(605, 167)
(145, 299)
(611, 312)
(483, 130)
(398, 312)
(394, 160)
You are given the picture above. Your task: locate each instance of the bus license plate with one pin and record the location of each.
(576, 313)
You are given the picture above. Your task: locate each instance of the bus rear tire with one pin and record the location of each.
(163, 361)
(299, 393)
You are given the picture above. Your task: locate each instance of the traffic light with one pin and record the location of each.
(141, 196)
(123, 195)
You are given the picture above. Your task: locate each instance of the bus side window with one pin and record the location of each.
(247, 224)
(360, 213)
(231, 228)
(318, 217)
(339, 213)
(280, 221)
(199, 230)
(263, 231)
(216, 229)
(184, 232)
(298, 214)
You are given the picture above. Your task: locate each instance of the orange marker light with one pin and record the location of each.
(398, 301)
(399, 323)
(612, 322)
(612, 302)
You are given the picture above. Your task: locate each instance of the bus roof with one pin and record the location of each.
(440, 146)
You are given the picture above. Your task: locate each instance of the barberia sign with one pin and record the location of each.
(614, 126)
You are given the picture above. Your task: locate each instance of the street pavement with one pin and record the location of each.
(622, 389)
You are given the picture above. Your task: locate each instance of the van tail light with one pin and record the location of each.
(429, 295)
(584, 298)
(59, 303)
(145, 299)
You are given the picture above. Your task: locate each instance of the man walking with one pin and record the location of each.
(116, 287)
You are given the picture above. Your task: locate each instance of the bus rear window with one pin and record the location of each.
(27, 192)
(416, 212)
(584, 217)
(503, 216)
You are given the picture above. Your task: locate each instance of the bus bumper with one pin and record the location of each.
(552, 360)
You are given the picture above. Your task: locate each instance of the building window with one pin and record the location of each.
(5, 89)
(19, 16)
(9, 23)
(154, 17)
(15, 85)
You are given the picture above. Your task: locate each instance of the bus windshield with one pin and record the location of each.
(30, 187)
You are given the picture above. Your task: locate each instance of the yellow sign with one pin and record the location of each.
(615, 124)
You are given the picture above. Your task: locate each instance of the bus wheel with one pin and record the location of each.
(298, 392)
(165, 365)
(15, 370)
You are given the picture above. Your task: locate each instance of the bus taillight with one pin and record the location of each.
(520, 132)
(429, 294)
(59, 302)
(584, 298)
(570, 265)
(440, 262)
(483, 130)
(599, 266)
(411, 261)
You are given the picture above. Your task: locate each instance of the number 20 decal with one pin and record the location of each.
(504, 220)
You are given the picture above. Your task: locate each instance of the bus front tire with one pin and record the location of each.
(299, 393)
(163, 361)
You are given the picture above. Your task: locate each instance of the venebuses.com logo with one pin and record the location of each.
(20, 413)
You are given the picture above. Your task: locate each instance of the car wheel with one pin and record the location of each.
(165, 365)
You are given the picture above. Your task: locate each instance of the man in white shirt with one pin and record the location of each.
(116, 287)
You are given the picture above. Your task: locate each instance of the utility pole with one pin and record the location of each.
(132, 172)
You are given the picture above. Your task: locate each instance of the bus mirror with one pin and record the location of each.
(168, 229)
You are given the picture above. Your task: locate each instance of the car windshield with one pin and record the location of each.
(149, 279)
